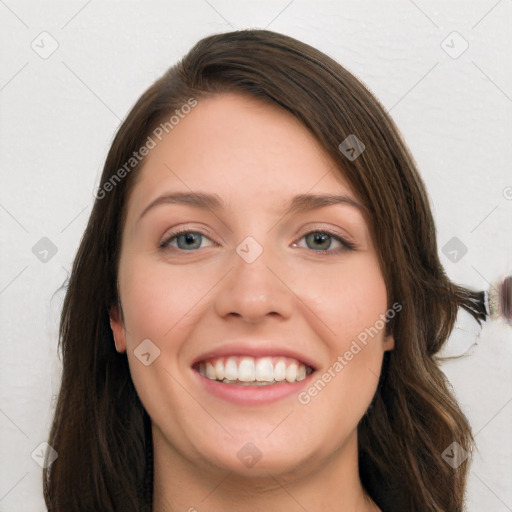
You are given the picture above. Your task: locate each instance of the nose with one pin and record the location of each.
(255, 290)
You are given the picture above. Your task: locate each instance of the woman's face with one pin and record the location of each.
(289, 303)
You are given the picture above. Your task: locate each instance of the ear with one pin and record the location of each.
(116, 324)
(389, 343)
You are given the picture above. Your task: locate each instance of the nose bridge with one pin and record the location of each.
(253, 288)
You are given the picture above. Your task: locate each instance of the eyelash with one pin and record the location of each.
(346, 246)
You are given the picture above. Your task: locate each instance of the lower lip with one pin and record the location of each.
(251, 395)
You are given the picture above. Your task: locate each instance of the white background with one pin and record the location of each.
(58, 116)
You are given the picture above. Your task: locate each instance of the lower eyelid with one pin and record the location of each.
(345, 244)
(165, 243)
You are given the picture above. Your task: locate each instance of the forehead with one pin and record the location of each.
(242, 149)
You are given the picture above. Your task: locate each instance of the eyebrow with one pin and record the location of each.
(213, 202)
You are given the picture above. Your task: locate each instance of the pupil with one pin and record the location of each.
(318, 237)
(189, 239)
(322, 238)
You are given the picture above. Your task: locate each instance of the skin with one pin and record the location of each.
(256, 157)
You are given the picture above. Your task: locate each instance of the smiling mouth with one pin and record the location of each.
(253, 371)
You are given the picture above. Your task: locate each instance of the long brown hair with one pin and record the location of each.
(102, 433)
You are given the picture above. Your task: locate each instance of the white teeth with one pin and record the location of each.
(210, 371)
(280, 371)
(246, 370)
(231, 369)
(264, 370)
(254, 371)
(219, 369)
(291, 372)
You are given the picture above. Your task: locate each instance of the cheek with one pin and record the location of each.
(157, 301)
(352, 304)
(156, 305)
(348, 299)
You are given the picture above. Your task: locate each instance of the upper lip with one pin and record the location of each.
(251, 350)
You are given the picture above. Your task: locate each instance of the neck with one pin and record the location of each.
(184, 485)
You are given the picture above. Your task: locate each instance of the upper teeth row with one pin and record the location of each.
(249, 369)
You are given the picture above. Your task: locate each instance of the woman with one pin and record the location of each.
(216, 357)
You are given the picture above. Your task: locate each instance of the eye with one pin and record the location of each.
(321, 241)
(186, 240)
